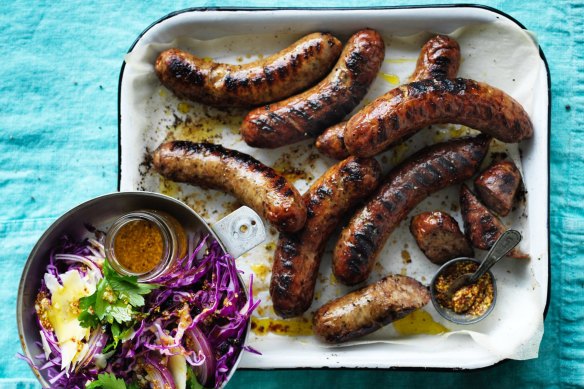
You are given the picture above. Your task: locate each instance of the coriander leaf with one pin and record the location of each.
(107, 381)
(120, 312)
(115, 330)
(87, 320)
(107, 270)
(130, 284)
(192, 382)
(125, 334)
(114, 302)
(133, 299)
(100, 301)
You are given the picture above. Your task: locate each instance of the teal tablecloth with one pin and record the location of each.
(58, 94)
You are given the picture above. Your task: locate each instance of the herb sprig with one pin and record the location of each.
(109, 381)
(114, 303)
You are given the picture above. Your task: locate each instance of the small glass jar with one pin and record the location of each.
(145, 235)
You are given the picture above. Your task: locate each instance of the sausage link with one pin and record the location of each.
(369, 308)
(431, 169)
(439, 237)
(498, 185)
(239, 174)
(309, 113)
(298, 255)
(403, 111)
(439, 58)
(482, 227)
(281, 75)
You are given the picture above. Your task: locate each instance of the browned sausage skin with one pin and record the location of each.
(332, 142)
(498, 185)
(310, 112)
(439, 237)
(298, 255)
(249, 180)
(403, 111)
(370, 308)
(480, 225)
(431, 169)
(281, 75)
(439, 58)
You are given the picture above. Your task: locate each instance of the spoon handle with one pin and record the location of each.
(506, 242)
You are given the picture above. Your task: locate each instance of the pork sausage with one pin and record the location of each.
(439, 237)
(274, 78)
(403, 111)
(250, 181)
(311, 112)
(482, 227)
(429, 170)
(497, 186)
(439, 58)
(298, 255)
(369, 308)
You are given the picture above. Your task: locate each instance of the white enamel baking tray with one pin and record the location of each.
(495, 48)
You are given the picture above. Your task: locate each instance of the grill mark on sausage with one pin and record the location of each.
(406, 186)
(180, 70)
(298, 255)
(394, 116)
(277, 77)
(252, 182)
(309, 113)
(369, 308)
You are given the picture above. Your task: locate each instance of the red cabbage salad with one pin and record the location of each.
(99, 329)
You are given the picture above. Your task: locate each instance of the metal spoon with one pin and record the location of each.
(506, 242)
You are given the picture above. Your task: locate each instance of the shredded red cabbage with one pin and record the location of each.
(202, 291)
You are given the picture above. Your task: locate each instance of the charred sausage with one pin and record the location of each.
(332, 142)
(309, 113)
(482, 227)
(439, 58)
(403, 111)
(439, 237)
(249, 180)
(498, 185)
(281, 75)
(298, 255)
(431, 169)
(370, 308)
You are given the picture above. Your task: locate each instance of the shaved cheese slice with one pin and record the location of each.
(64, 311)
(178, 368)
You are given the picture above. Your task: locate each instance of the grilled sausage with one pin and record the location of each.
(498, 185)
(281, 75)
(310, 112)
(482, 227)
(403, 111)
(332, 142)
(298, 255)
(370, 308)
(249, 180)
(439, 58)
(439, 237)
(431, 169)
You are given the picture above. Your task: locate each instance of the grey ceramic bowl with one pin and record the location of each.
(99, 213)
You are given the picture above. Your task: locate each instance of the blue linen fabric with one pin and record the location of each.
(58, 102)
